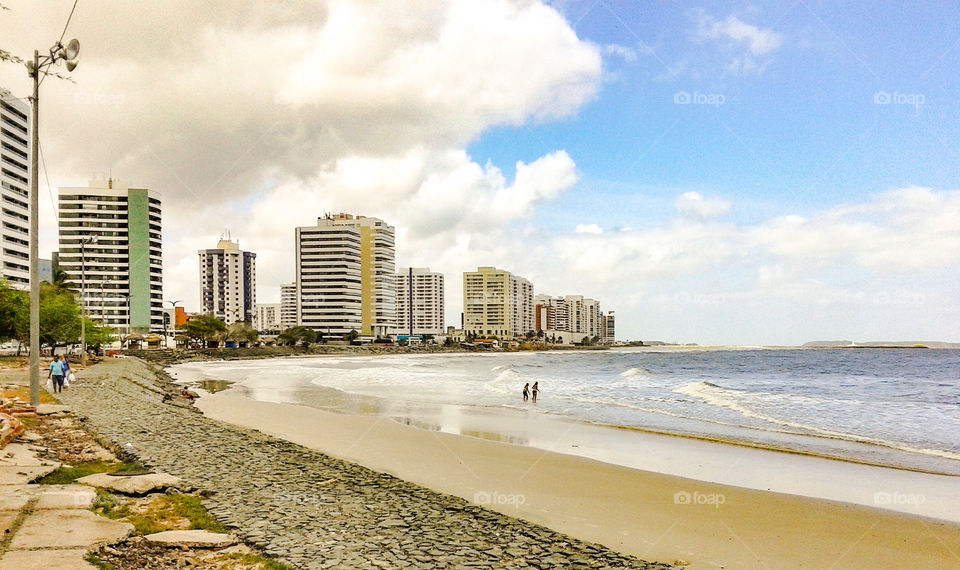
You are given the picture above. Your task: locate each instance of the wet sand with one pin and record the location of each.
(655, 516)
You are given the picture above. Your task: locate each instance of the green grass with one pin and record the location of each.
(69, 475)
(165, 514)
(97, 563)
(254, 559)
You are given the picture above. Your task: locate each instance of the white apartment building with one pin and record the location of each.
(573, 314)
(497, 303)
(228, 282)
(345, 276)
(288, 305)
(14, 192)
(266, 317)
(110, 249)
(420, 298)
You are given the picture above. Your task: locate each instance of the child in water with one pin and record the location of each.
(526, 391)
(535, 389)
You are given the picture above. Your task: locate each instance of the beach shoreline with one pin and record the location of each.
(643, 513)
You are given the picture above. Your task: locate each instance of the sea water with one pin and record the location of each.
(891, 407)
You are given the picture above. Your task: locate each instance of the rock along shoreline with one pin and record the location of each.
(303, 507)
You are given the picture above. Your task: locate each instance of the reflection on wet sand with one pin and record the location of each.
(480, 434)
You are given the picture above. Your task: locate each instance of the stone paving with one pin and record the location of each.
(306, 508)
(47, 526)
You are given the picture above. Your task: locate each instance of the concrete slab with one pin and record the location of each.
(20, 454)
(191, 538)
(134, 484)
(71, 559)
(13, 498)
(21, 474)
(50, 409)
(65, 497)
(6, 522)
(66, 528)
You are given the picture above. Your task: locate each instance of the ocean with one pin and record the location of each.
(891, 407)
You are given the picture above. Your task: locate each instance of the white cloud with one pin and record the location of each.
(694, 206)
(884, 267)
(757, 40)
(263, 118)
(588, 229)
(628, 54)
(745, 45)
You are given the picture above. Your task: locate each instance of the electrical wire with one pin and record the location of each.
(53, 204)
(70, 17)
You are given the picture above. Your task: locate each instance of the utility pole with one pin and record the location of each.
(34, 69)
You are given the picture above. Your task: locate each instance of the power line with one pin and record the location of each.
(53, 204)
(70, 17)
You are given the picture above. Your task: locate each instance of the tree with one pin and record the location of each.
(294, 335)
(98, 335)
(242, 332)
(14, 313)
(205, 328)
(59, 317)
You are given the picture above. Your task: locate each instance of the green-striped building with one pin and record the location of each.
(110, 247)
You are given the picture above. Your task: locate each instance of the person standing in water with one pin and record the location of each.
(526, 391)
(535, 389)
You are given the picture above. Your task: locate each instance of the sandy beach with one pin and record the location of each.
(650, 515)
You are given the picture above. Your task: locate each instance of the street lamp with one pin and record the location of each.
(83, 304)
(35, 68)
(173, 305)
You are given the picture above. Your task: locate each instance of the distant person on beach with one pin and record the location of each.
(56, 374)
(526, 391)
(535, 389)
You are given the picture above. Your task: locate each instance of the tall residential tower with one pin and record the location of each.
(14, 192)
(420, 299)
(497, 303)
(345, 275)
(110, 249)
(228, 282)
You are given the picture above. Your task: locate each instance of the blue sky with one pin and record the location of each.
(804, 132)
(714, 172)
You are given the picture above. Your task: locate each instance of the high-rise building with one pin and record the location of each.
(228, 282)
(497, 303)
(571, 314)
(110, 247)
(345, 276)
(266, 317)
(288, 305)
(609, 334)
(14, 192)
(420, 298)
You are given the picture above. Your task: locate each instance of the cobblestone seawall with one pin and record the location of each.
(308, 509)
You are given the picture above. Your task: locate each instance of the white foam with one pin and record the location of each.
(733, 400)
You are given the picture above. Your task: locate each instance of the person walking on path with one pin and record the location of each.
(66, 371)
(56, 374)
(526, 391)
(535, 389)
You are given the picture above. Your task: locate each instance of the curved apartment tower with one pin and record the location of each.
(345, 276)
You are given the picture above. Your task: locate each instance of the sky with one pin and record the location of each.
(716, 172)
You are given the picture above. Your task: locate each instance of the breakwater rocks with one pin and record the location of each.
(308, 509)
